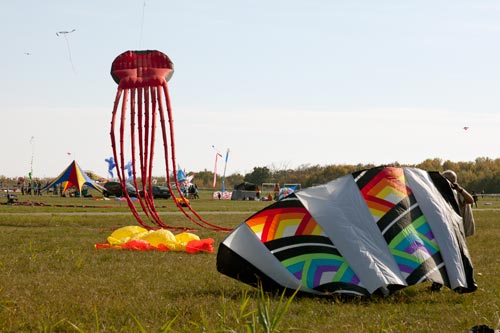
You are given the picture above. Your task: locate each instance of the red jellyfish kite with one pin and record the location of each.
(142, 101)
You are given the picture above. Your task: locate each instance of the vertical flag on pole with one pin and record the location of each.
(224, 174)
(217, 155)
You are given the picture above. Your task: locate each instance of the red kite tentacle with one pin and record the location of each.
(154, 102)
(146, 160)
(113, 118)
(115, 152)
(140, 110)
(144, 177)
(167, 163)
(147, 142)
(151, 162)
(144, 137)
(172, 147)
(120, 163)
(133, 92)
(142, 150)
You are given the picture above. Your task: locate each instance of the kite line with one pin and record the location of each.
(64, 33)
(32, 141)
(142, 23)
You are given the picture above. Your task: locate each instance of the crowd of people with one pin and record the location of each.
(31, 188)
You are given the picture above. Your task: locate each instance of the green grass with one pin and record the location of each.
(50, 203)
(53, 280)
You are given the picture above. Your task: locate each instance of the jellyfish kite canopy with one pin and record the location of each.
(142, 102)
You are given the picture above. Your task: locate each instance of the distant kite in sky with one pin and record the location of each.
(64, 33)
(466, 128)
(129, 169)
(141, 101)
(111, 165)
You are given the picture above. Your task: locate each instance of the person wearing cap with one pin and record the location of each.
(465, 201)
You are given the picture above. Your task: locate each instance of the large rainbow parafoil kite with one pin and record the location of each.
(142, 101)
(373, 231)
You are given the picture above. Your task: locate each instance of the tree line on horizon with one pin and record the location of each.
(481, 175)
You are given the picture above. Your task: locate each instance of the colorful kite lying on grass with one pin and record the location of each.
(373, 231)
(140, 239)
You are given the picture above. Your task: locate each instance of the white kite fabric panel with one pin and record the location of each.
(373, 231)
(340, 210)
(445, 223)
(242, 239)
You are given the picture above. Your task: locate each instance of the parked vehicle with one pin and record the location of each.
(158, 192)
(115, 189)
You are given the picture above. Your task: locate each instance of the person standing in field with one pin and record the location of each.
(465, 202)
(276, 191)
(475, 197)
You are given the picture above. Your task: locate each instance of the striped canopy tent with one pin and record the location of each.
(74, 176)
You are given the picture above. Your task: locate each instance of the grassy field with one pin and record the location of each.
(52, 279)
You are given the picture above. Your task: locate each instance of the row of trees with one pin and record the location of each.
(483, 174)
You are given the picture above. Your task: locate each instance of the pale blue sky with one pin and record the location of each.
(280, 83)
